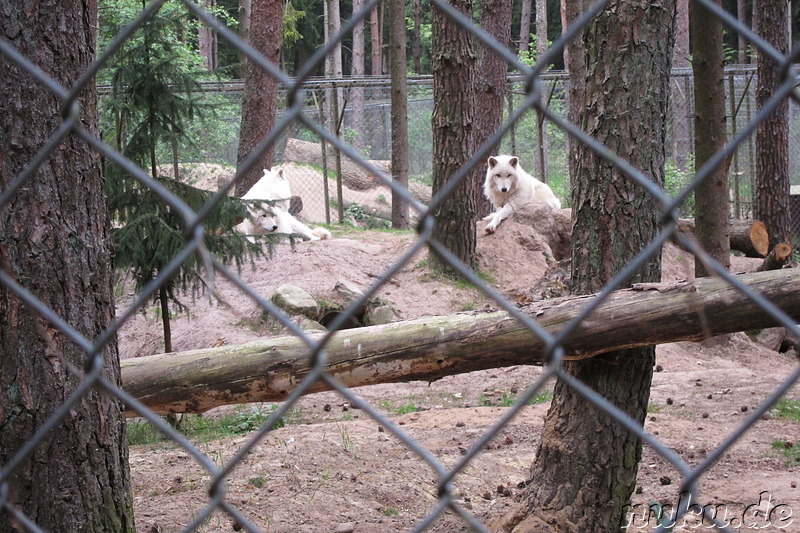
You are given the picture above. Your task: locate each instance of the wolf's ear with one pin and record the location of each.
(280, 172)
(513, 161)
(492, 161)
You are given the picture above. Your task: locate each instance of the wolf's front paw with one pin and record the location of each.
(490, 228)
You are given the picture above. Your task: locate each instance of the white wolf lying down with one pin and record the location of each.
(265, 218)
(508, 187)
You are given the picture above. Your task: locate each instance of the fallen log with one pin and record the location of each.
(747, 236)
(433, 347)
(778, 257)
(353, 176)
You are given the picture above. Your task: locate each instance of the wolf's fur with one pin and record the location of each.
(508, 187)
(272, 186)
(266, 219)
(274, 217)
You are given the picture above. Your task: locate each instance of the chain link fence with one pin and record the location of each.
(367, 128)
(365, 146)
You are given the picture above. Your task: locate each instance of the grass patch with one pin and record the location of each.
(786, 408)
(203, 429)
(790, 450)
(542, 397)
(508, 399)
(399, 408)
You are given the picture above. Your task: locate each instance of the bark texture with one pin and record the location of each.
(260, 90)
(55, 241)
(399, 91)
(453, 116)
(586, 466)
(772, 135)
(490, 88)
(434, 347)
(712, 195)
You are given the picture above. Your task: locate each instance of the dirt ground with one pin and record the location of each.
(334, 468)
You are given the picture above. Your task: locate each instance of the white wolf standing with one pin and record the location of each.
(265, 218)
(509, 187)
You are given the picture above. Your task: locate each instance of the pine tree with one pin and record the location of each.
(153, 100)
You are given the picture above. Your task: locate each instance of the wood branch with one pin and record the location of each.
(747, 236)
(353, 175)
(433, 347)
(777, 258)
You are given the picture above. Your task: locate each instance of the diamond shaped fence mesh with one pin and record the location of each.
(532, 93)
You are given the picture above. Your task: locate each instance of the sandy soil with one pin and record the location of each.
(334, 468)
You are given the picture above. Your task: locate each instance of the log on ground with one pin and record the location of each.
(353, 175)
(747, 236)
(430, 348)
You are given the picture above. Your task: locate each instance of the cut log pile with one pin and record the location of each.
(747, 236)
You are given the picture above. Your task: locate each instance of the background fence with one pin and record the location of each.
(373, 144)
(370, 134)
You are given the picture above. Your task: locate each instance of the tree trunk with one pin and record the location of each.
(490, 88)
(741, 15)
(376, 42)
(575, 62)
(245, 12)
(357, 70)
(586, 465)
(772, 136)
(430, 348)
(207, 41)
(541, 131)
(525, 25)
(712, 195)
(452, 121)
(163, 300)
(416, 43)
(55, 242)
(399, 90)
(260, 91)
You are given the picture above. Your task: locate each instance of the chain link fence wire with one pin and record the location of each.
(366, 125)
(533, 91)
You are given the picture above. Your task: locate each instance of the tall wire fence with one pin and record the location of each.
(364, 149)
(366, 126)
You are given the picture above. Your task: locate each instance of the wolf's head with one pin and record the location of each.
(264, 217)
(502, 174)
(273, 185)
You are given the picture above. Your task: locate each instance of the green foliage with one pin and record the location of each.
(675, 180)
(153, 233)
(154, 89)
(291, 18)
(154, 101)
(528, 56)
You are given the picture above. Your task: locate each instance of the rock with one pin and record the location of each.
(347, 290)
(307, 324)
(295, 301)
(383, 314)
(346, 527)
